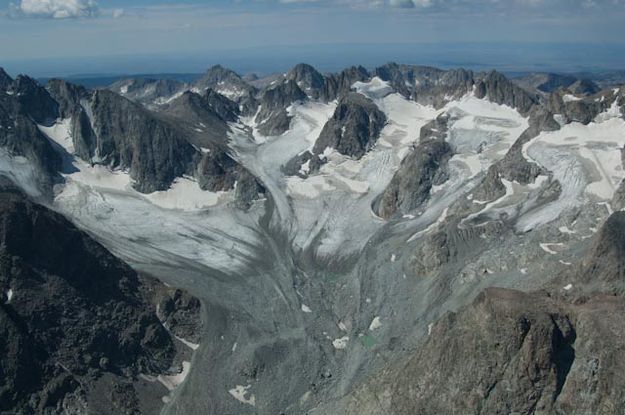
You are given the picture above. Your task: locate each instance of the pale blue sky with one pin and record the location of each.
(60, 33)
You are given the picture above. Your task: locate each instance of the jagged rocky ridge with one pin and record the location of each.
(78, 325)
(156, 148)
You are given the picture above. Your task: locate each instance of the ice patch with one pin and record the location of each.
(566, 230)
(190, 345)
(374, 89)
(306, 309)
(568, 287)
(21, 171)
(584, 159)
(547, 247)
(173, 381)
(570, 98)
(9, 295)
(185, 194)
(376, 323)
(60, 134)
(240, 394)
(393, 258)
(305, 168)
(430, 327)
(340, 344)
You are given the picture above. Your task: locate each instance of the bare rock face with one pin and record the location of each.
(584, 87)
(130, 137)
(77, 325)
(35, 100)
(227, 109)
(340, 84)
(525, 353)
(427, 85)
(497, 88)
(308, 79)
(511, 352)
(148, 92)
(545, 82)
(353, 129)
(273, 119)
(604, 266)
(201, 123)
(224, 81)
(19, 134)
(423, 168)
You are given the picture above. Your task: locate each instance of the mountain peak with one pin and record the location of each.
(5, 79)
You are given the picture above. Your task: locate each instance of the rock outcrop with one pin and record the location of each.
(19, 134)
(423, 168)
(353, 129)
(272, 118)
(495, 87)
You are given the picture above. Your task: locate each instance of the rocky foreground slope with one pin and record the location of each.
(400, 240)
(78, 326)
(550, 351)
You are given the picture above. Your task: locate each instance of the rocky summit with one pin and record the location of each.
(400, 239)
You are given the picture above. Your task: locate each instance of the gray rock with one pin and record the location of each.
(353, 129)
(227, 109)
(273, 119)
(423, 168)
(427, 85)
(128, 136)
(196, 115)
(35, 101)
(545, 82)
(308, 79)
(340, 84)
(148, 92)
(584, 87)
(603, 268)
(19, 134)
(5, 80)
(495, 87)
(525, 352)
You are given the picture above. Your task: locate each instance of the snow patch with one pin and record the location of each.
(240, 394)
(190, 345)
(570, 98)
(376, 323)
(60, 134)
(340, 344)
(376, 88)
(547, 247)
(173, 381)
(306, 309)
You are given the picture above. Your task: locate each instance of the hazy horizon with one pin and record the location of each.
(64, 37)
(506, 57)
